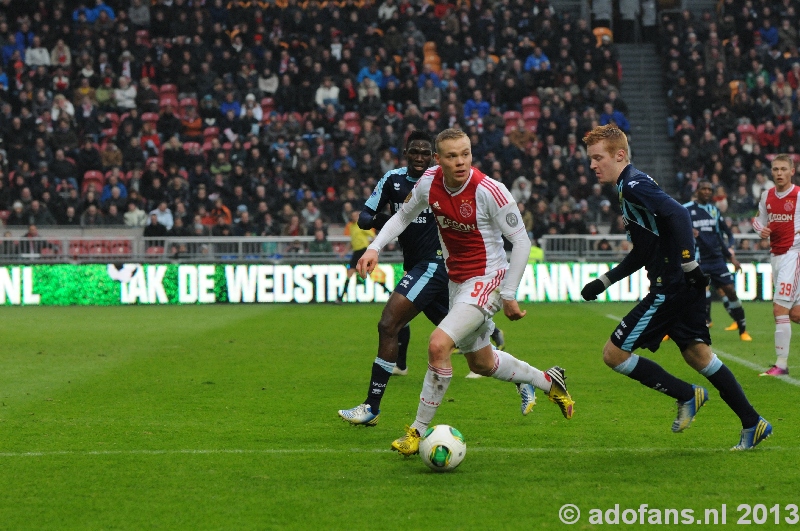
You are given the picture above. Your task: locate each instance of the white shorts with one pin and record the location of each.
(472, 305)
(785, 278)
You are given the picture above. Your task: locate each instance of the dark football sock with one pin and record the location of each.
(403, 337)
(737, 313)
(381, 371)
(651, 374)
(731, 392)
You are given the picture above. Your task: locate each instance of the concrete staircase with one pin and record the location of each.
(652, 149)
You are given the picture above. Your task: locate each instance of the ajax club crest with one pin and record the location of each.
(465, 209)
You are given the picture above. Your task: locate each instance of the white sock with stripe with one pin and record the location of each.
(434, 386)
(510, 369)
(783, 337)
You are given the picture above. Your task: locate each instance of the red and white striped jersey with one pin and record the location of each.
(471, 221)
(779, 213)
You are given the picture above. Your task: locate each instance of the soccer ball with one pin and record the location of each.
(442, 448)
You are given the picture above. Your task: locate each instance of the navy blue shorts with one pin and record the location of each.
(718, 271)
(356, 256)
(426, 286)
(681, 315)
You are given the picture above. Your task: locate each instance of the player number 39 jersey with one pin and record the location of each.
(779, 213)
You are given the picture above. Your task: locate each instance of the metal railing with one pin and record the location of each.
(590, 248)
(288, 249)
(281, 249)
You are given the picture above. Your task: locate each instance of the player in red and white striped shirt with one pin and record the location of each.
(473, 213)
(779, 220)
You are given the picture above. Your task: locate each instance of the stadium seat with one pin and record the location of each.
(354, 128)
(744, 129)
(155, 250)
(93, 176)
(119, 247)
(145, 36)
(531, 114)
(210, 132)
(267, 105)
(76, 249)
(351, 116)
(511, 116)
(530, 101)
(150, 117)
(95, 247)
(168, 89)
(169, 99)
(188, 146)
(531, 125)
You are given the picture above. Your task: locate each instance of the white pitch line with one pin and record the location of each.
(287, 451)
(749, 364)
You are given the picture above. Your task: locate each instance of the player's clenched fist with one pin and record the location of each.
(594, 288)
(367, 263)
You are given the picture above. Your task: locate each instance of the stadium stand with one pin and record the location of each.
(237, 88)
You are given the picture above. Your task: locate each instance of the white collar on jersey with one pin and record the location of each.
(460, 188)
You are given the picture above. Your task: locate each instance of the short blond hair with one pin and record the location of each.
(613, 136)
(784, 157)
(449, 134)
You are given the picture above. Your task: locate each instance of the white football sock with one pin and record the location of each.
(510, 369)
(783, 337)
(434, 387)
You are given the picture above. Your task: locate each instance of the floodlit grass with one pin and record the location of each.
(224, 417)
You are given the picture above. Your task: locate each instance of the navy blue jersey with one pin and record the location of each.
(659, 228)
(715, 237)
(420, 240)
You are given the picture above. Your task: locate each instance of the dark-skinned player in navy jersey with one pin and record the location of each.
(424, 287)
(661, 232)
(714, 241)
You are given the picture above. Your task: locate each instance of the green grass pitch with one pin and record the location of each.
(224, 417)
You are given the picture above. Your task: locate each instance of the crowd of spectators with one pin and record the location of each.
(277, 118)
(732, 79)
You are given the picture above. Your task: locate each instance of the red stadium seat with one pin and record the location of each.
(511, 116)
(352, 116)
(531, 114)
(267, 105)
(150, 117)
(168, 89)
(743, 129)
(210, 132)
(530, 101)
(96, 177)
(96, 247)
(188, 146)
(155, 250)
(119, 247)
